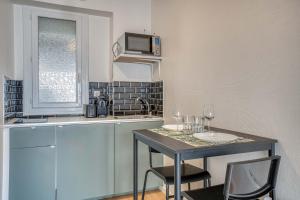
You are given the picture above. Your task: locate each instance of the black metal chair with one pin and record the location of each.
(189, 174)
(245, 180)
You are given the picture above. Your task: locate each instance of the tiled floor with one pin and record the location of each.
(153, 195)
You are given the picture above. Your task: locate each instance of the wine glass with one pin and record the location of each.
(178, 117)
(209, 114)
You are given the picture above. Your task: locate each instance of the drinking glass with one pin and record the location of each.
(209, 114)
(178, 117)
(198, 125)
(188, 121)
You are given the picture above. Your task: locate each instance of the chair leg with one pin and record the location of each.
(273, 195)
(145, 182)
(208, 182)
(167, 191)
(189, 186)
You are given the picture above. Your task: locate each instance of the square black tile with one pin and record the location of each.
(124, 84)
(124, 95)
(118, 89)
(135, 84)
(129, 90)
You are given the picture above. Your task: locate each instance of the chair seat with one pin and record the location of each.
(189, 173)
(210, 193)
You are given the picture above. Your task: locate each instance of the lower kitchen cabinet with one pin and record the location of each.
(32, 173)
(85, 161)
(76, 162)
(124, 157)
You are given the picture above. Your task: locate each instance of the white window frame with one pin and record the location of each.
(31, 103)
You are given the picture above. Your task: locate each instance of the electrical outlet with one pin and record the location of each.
(96, 93)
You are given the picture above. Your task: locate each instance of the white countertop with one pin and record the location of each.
(80, 120)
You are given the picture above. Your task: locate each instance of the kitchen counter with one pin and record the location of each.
(81, 120)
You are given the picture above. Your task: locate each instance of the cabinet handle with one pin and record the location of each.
(52, 146)
(60, 126)
(33, 127)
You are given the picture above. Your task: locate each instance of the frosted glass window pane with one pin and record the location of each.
(57, 60)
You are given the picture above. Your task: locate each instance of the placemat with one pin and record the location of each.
(191, 140)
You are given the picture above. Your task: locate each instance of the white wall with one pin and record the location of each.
(18, 42)
(6, 65)
(6, 39)
(99, 49)
(244, 57)
(132, 72)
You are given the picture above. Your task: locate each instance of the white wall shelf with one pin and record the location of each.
(142, 59)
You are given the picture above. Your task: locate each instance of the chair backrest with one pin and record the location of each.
(251, 179)
(151, 150)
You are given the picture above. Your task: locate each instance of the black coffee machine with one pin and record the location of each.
(90, 110)
(102, 106)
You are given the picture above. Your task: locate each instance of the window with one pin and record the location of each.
(55, 68)
(57, 61)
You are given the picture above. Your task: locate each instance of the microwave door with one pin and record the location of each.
(138, 44)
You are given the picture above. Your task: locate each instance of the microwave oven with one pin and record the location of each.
(140, 44)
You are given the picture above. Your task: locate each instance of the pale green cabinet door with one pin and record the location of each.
(85, 160)
(32, 173)
(124, 157)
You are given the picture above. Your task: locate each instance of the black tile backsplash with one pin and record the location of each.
(13, 98)
(94, 87)
(123, 95)
(156, 97)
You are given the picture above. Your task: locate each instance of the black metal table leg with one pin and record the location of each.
(135, 168)
(177, 177)
(272, 153)
(272, 150)
(205, 168)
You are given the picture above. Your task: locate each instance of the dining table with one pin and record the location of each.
(181, 146)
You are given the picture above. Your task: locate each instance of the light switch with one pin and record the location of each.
(96, 93)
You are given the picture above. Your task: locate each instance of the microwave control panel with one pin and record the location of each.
(156, 45)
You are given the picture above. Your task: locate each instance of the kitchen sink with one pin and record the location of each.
(136, 117)
(30, 121)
